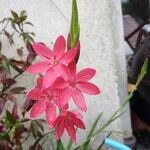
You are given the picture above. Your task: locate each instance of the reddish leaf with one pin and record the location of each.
(3, 75)
(2, 104)
(0, 45)
(11, 98)
(30, 58)
(18, 63)
(40, 124)
(27, 106)
(5, 145)
(38, 147)
(17, 90)
(16, 68)
(9, 82)
(21, 129)
(29, 23)
(30, 48)
(20, 51)
(9, 36)
(19, 66)
(15, 112)
(31, 55)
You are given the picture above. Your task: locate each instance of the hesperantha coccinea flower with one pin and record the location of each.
(76, 85)
(46, 101)
(54, 62)
(59, 83)
(70, 121)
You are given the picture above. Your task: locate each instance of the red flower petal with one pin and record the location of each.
(38, 67)
(86, 74)
(49, 78)
(39, 82)
(37, 109)
(59, 47)
(78, 122)
(50, 114)
(58, 120)
(34, 94)
(79, 99)
(65, 96)
(60, 83)
(43, 51)
(71, 131)
(69, 56)
(72, 70)
(60, 129)
(63, 71)
(88, 88)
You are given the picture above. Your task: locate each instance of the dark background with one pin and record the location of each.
(139, 9)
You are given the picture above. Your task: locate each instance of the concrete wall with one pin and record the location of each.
(100, 47)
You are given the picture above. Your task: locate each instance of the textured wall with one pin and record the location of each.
(98, 48)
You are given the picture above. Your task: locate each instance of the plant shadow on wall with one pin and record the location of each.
(58, 81)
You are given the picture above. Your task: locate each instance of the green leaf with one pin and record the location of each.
(5, 19)
(94, 126)
(10, 121)
(29, 23)
(4, 135)
(69, 145)
(115, 116)
(26, 37)
(5, 65)
(91, 132)
(34, 129)
(13, 25)
(23, 18)
(142, 72)
(85, 145)
(101, 145)
(15, 16)
(60, 145)
(74, 27)
(39, 124)
(12, 132)
(10, 37)
(23, 13)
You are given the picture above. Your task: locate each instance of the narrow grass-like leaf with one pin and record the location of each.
(60, 145)
(69, 145)
(112, 119)
(91, 132)
(41, 137)
(101, 145)
(94, 126)
(142, 72)
(85, 145)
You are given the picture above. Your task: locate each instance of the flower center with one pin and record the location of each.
(50, 97)
(55, 62)
(72, 83)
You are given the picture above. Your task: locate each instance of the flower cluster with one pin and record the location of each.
(59, 83)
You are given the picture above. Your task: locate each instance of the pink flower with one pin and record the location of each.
(54, 62)
(75, 85)
(68, 120)
(47, 100)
